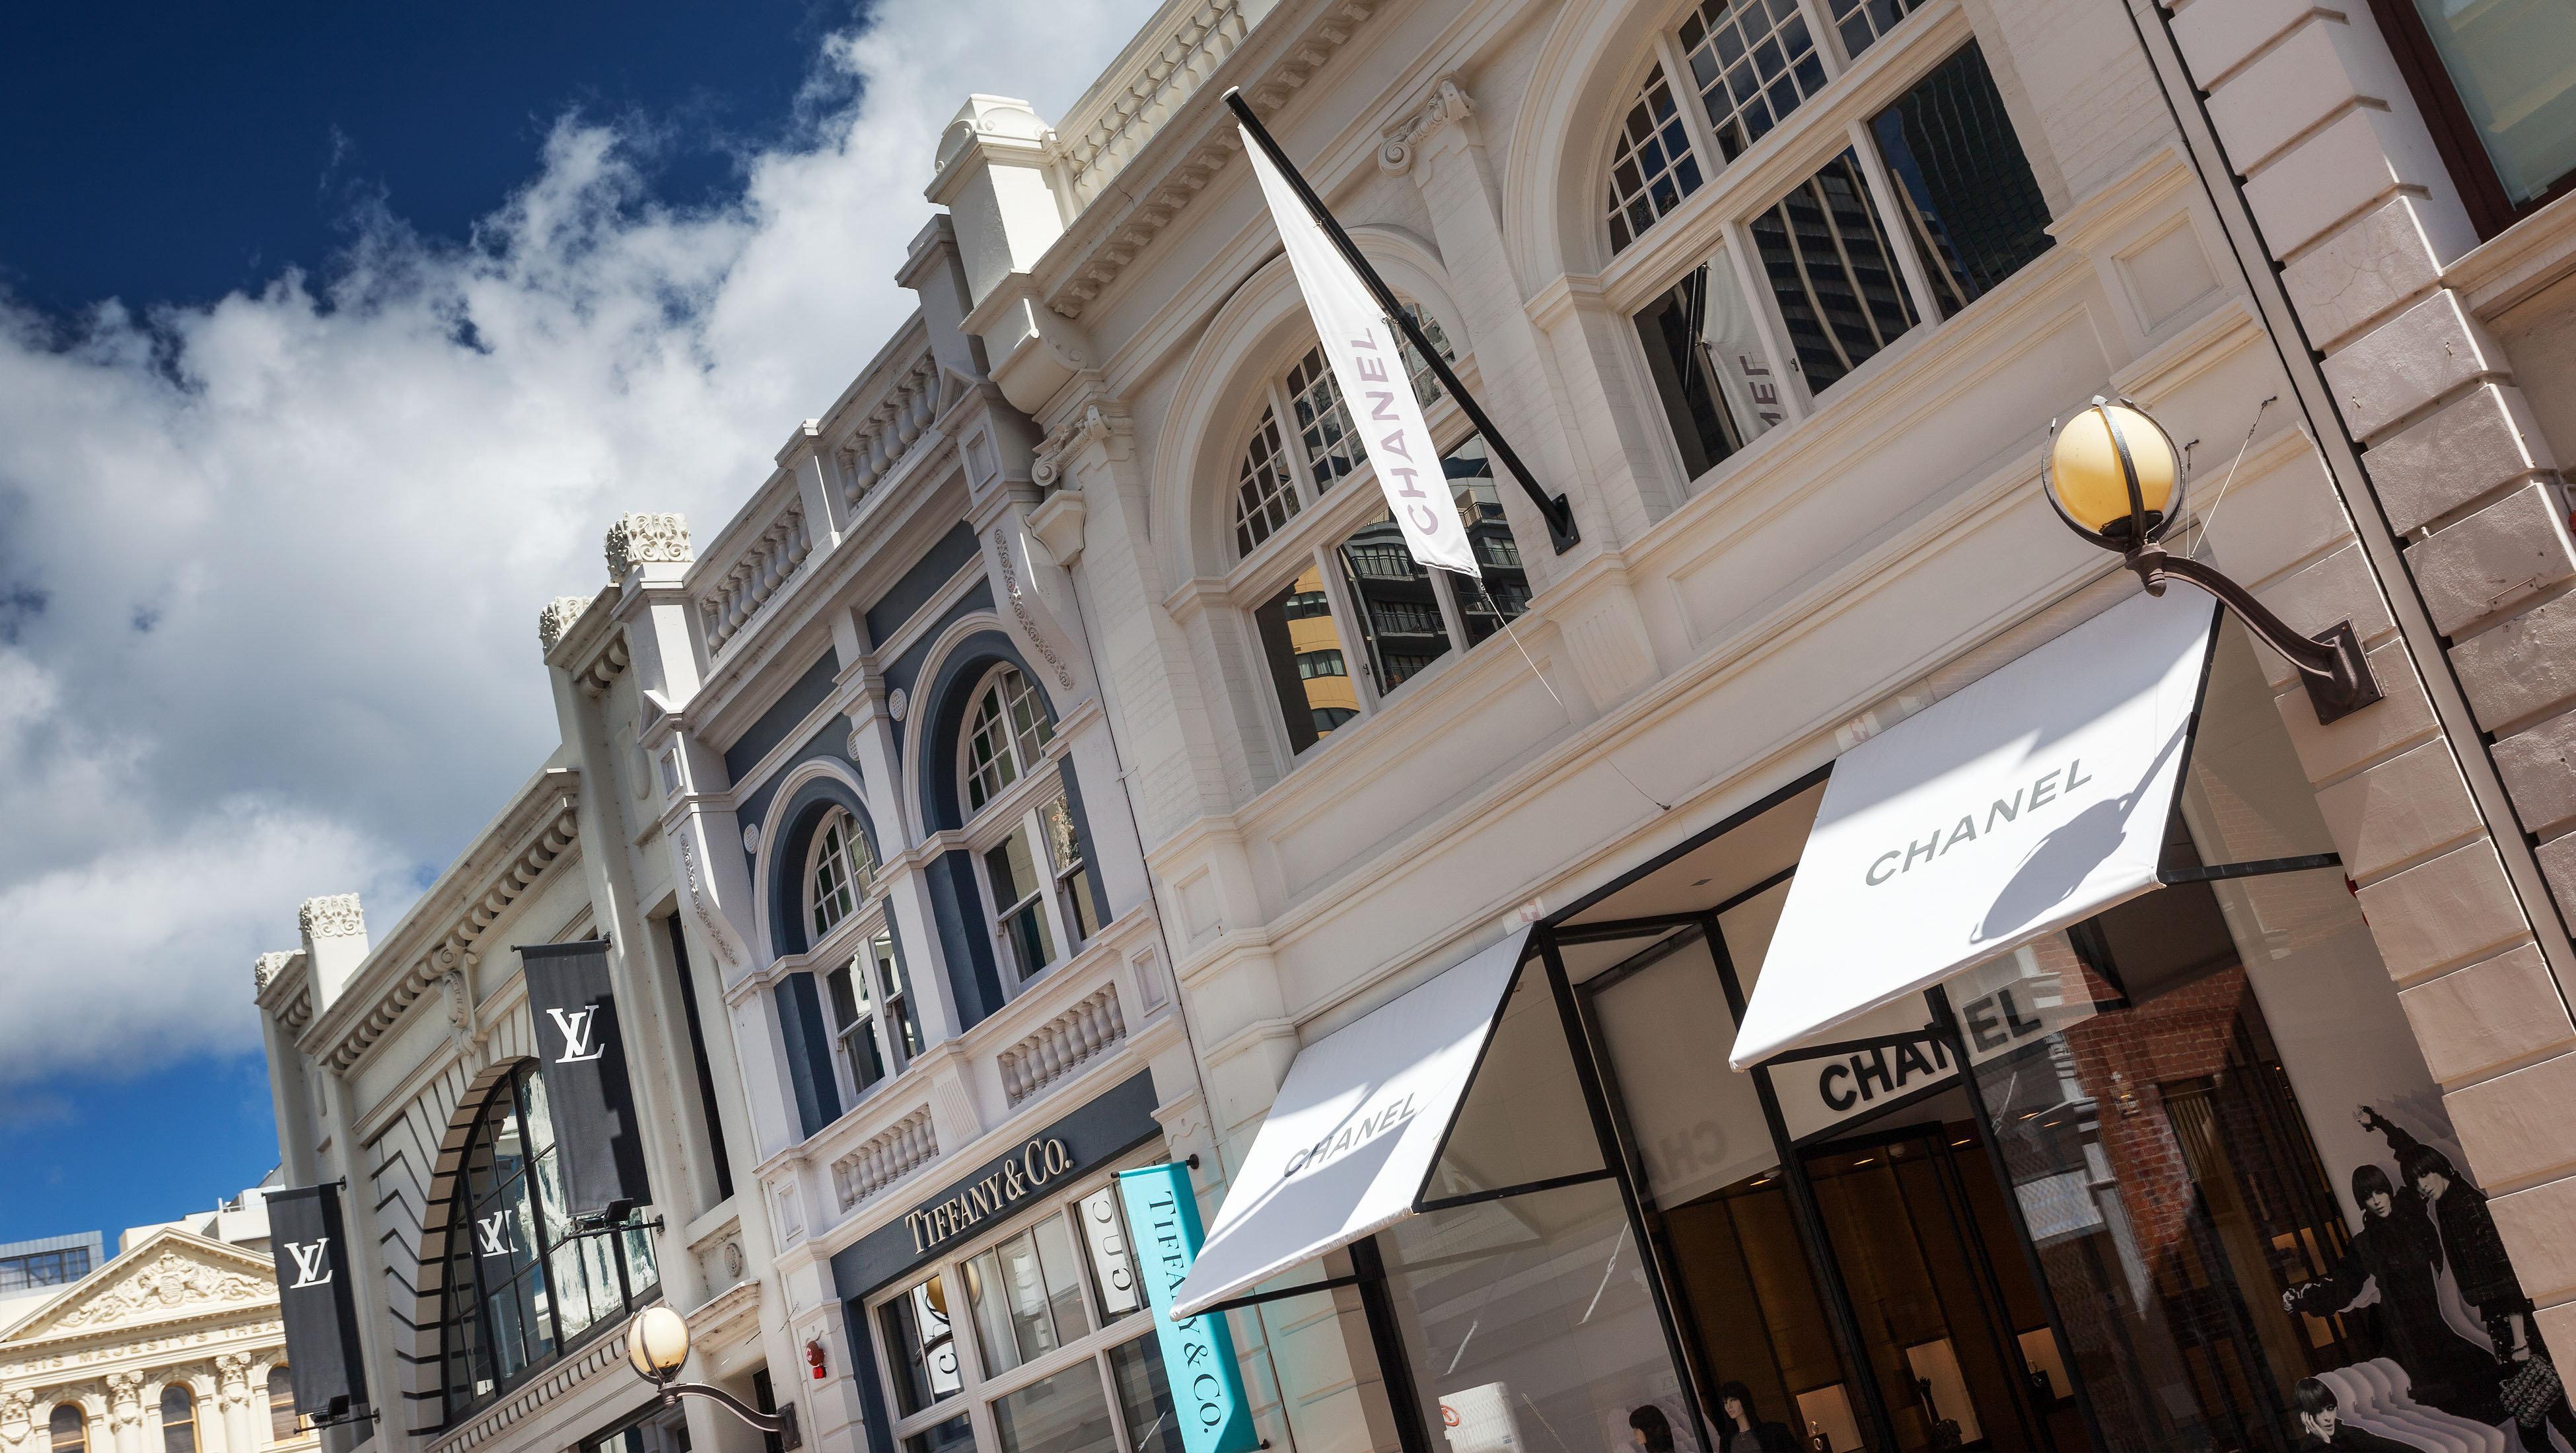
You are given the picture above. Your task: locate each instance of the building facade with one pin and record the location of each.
(174, 1345)
(1058, 749)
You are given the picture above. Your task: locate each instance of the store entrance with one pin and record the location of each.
(1957, 1334)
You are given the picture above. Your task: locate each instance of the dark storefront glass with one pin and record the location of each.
(1832, 267)
(1399, 612)
(1965, 187)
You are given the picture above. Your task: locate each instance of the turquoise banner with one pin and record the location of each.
(1198, 1355)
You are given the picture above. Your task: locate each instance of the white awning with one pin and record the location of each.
(1350, 1140)
(2028, 801)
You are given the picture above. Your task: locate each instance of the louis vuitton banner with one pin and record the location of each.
(314, 1273)
(590, 1101)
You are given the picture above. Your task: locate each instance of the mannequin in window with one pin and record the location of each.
(1650, 1430)
(1741, 1430)
(2320, 1426)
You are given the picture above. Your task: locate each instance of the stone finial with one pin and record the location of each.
(336, 916)
(639, 539)
(266, 968)
(559, 616)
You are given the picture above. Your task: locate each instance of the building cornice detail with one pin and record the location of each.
(1448, 102)
(640, 539)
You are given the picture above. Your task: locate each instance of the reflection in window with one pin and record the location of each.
(1966, 188)
(1753, 62)
(1705, 352)
(904, 1024)
(1296, 626)
(1862, 22)
(1653, 168)
(2509, 60)
(1072, 870)
(1020, 919)
(1504, 591)
(954, 1436)
(1144, 1397)
(68, 1429)
(1027, 1295)
(519, 1287)
(1065, 1413)
(854, 1023)
(1113, 1268)
(1399, 617)
(1830, 264)
(922, 1347)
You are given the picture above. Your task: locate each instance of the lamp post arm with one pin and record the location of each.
(2331, 663)
(782, 1422)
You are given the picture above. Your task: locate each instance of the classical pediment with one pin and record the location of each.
(172, 1276)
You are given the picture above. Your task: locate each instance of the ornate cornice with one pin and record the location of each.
(264, 969)
(640, 539)
(558, 617)
(335, 916)
(1194, 143)
(1448, 102)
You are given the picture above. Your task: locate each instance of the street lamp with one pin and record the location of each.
(657, 1344)
(2113, 475)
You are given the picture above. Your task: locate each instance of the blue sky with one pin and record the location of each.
(332, 338)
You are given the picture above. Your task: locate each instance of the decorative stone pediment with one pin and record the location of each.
(171, 1275)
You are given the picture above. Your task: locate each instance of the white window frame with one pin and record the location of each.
(1312, 539)
(849, 945)
(841, 844)
(1734, 194)
(978, 1391)
(1034, 794)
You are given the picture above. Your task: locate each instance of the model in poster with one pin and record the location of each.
(2398, 1252)
(2529, 1383)
(2321, 1425)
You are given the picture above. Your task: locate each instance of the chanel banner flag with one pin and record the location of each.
(590, 1101)
(313, 1294)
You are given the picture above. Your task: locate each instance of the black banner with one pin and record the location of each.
(599, 1140)
(314, 1272)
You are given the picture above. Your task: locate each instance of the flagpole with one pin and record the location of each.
(1558, 514)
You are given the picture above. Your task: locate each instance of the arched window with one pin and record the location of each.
(178, 1419)
(519, 1289)
(1036, 865)
(840, 873)
(70, 1430)
(1268, 490)
(282, 1422)
(1005, 736)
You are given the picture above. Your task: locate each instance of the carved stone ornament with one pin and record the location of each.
(751, 837)
(124, 1399)
(170, 1282)
(232, 1378)
(15, 1408)
(1449, 102)
(336, 916)
(642, 539)
(1093, 425)
(266, 968)
(898, 702)
(558, 617)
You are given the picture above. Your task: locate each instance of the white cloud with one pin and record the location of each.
(269, 569)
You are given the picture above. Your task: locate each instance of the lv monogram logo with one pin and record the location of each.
(494, 1232)
(577, 1029)
(311, 1269)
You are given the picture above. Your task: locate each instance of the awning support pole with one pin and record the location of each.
(1947, 1021)
(1386, 1339)
(1561, 530)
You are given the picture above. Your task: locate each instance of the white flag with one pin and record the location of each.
(1375, 384)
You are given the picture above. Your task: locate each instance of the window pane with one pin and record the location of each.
(1323, 421)
(281, 1405)
(1113, 1267)
(1264, 498)
(1062, 1270)
(69, 1429)
(178, 1426)
(1532, 1313)
(1031, 727)
(901, 1020)
(1015, 889)
(1144, 1397)
(1072, 872)
(990, 767)
(1399, 615)
(867, 1062)
(1753, 62)
(1967, 190)
(1299, 641)
(1061, 1414)
(1653, 168)
(1864, 21)
(921, 1347)
(1504, 590)
(2510, 62)
(1825, 253)
(1708, 364)
(845, 993)
(954, 1436)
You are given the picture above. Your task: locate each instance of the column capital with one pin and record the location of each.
(640, 539)
(1448, 103)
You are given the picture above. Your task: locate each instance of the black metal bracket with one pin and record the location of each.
(1561, 529)
(2331, 663)
(612, 1226)
(1302, 1289)
(339, 1417)
(781, 1423)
